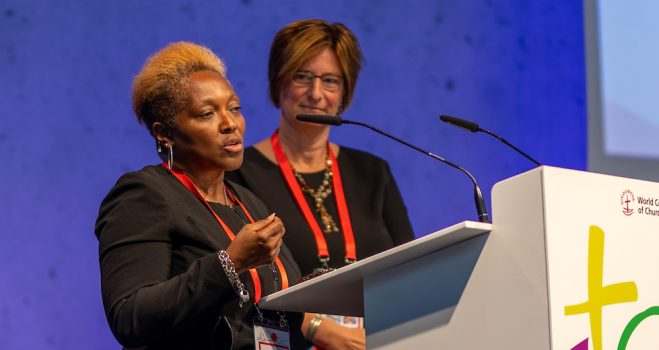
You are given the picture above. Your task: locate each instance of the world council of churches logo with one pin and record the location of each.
(626, 200)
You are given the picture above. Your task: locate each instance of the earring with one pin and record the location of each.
(170, 156)
(159, 148)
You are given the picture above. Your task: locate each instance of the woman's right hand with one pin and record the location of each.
(334, 336)
(257, 244)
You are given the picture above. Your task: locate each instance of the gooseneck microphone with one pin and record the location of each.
(337, 120)
(473, 127)
(322, 119)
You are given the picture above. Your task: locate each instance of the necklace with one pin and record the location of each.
(319, 195)
(224, 192)
(226, 201)
(339, 196)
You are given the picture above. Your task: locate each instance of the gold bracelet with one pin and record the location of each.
(313, 327)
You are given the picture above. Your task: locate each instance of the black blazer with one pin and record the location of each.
(162, 284)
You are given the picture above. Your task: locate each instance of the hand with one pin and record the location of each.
(257, 244)
(333, 336)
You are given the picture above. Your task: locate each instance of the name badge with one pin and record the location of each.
(270, 336)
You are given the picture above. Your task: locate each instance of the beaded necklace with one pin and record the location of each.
(319, 195)
(339, 197)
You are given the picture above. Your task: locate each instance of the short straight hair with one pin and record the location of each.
(298, 42)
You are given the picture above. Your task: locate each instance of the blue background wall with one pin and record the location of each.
(67, 130)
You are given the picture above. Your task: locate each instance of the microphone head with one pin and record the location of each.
(465, 124)
(320, 119)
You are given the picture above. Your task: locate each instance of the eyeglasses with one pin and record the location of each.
(329, 82)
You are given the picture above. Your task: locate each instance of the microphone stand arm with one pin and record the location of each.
(478, 195)
(510, 145)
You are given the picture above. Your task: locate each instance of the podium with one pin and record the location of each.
(570, 262)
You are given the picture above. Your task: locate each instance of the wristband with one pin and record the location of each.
(313, 327)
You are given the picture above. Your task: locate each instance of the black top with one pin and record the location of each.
(162, 283)
(377, 212)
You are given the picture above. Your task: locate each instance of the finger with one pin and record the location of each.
(277, 248)
(279, 225)
(263, 223)
(271, 244)
(283, 227)
(273, 231)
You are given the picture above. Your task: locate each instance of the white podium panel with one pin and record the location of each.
(602, 247)
(584, 244)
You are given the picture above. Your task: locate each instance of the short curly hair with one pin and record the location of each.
(157, 89)
(300, 41)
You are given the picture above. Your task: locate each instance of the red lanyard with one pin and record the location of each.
(185, 180)
(344, 217)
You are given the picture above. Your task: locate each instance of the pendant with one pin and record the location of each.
(329, 226)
